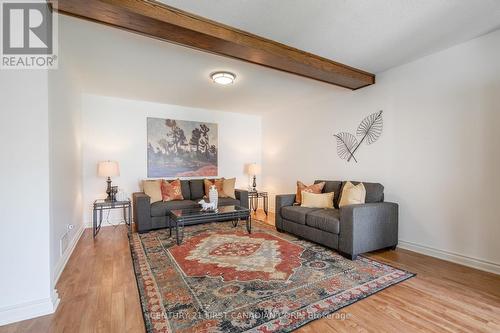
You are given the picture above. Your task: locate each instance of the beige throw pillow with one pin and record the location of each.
(314, 200)
(352, 195)
(152, 187)
(228, 187)
(314, 188)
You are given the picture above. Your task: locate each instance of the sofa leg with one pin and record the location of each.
(349, 256)
(279, 230)
(393, 247)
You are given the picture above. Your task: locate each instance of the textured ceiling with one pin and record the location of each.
(373, 35)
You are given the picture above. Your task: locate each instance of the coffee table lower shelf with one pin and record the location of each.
(179, 218)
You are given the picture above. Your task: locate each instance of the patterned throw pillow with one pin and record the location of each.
(171, 191)
(219, 185)
(315, 188)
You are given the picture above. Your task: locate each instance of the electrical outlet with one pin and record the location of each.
(63, 244)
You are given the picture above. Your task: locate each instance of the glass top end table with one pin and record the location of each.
(253, 200)
(101, 205)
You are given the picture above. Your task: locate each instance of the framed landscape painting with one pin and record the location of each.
(181, 148)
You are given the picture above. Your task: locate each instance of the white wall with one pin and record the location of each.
(41, 176)
(65, 160)
(422, 158)
(24, 198)
(115, 129)
(438, 156)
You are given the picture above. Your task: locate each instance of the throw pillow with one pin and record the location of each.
(228, 187)
(152, 188)
(172, 190)
(218, 185)
(315, 188)
(352, 195)
(313, 200)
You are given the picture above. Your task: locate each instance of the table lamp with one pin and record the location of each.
(108, 169)
(253, 170)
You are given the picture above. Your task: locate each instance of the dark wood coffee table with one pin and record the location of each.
(196, 215)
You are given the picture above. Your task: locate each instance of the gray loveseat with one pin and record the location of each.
(149, 216)
(351, 230)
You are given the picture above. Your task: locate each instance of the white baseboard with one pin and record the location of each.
(450, 256)
(55, 299)
(28, 310)
(45, 306)
(64, 260)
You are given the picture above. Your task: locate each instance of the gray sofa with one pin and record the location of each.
(149, 216)
(351, 230)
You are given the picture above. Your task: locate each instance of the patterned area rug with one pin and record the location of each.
(222, 279)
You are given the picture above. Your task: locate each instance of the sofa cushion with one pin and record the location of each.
(186, 192)
(171, 190)
(374, 191)
(228, 202)
(160, 208)
(332, 186)
(301, 187)
(218, 185)
(313, 200)
(352, 194)
(228, 187)
(197, 189)
(152, 188)
(324, 219)
(296, 214)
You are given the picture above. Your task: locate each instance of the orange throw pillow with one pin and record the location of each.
(171, 191)
(218, 185)
(315, 188)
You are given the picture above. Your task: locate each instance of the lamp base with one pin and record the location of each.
(108, 190)
(254, 184)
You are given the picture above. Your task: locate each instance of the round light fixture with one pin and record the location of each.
(223, 78)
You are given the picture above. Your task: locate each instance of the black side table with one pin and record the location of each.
(253, 198)
(101, 205)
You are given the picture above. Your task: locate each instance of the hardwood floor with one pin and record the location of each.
(97, 289)
(99, 294)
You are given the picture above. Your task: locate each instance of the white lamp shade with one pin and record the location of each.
(108, 169)
(253, 169)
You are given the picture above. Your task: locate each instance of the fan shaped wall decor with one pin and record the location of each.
(369, 130)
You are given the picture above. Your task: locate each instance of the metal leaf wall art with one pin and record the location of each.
(369, 130)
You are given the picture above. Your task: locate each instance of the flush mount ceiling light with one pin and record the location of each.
(223, 78)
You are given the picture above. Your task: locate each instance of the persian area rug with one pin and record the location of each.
(222, 279)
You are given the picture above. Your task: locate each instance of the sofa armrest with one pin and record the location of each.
(142, 211)
(368, 227)
(242, 196)
(282, 200)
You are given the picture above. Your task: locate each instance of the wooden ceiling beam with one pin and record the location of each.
(157, 20)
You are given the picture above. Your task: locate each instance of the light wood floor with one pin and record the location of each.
(99, 294)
